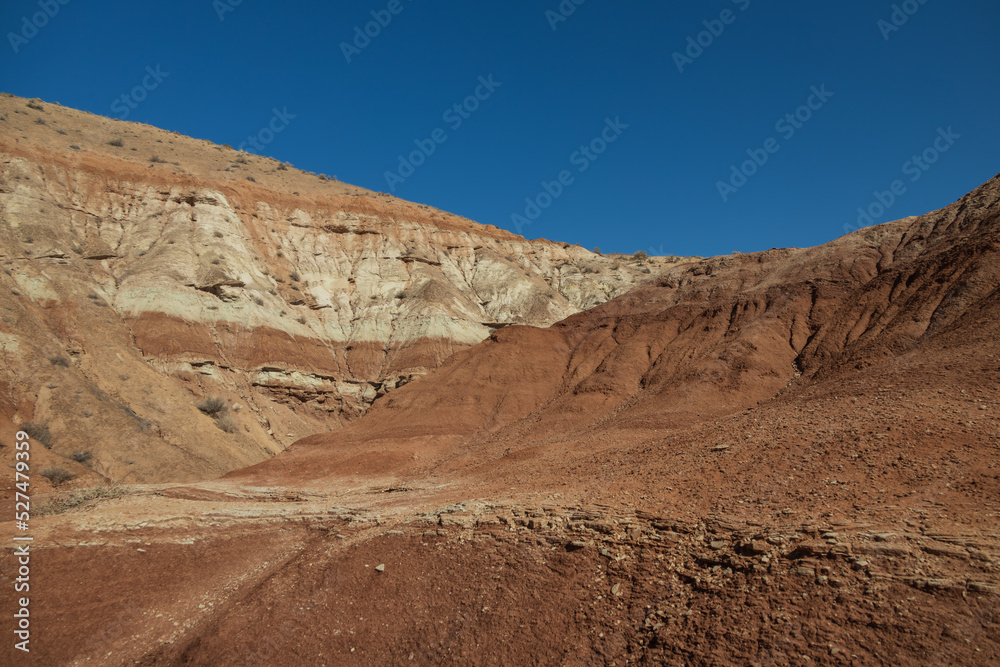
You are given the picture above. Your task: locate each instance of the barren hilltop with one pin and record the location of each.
(332, 427)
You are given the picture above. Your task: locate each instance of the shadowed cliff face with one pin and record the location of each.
(166, 269)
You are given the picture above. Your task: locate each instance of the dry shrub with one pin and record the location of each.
(57, 475)
(226, 422)
(213, 405)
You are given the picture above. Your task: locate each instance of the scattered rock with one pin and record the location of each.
(983, 587)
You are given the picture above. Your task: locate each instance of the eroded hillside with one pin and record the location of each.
(145, 271)
(783, 458)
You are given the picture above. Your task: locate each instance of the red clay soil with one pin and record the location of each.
(869, 325)
(781, 458)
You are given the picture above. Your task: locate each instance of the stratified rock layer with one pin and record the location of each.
(167, 269)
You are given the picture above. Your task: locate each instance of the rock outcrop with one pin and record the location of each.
(165, 269)
(725, 340)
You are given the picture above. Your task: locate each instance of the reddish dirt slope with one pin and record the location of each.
(711, 340)
(783, 458)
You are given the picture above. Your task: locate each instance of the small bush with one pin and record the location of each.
(213, 405)
(218, 234)
(251, 179)
(33, 104)
(259, 301)
(39, 432)
(294, 276)
(83, 456)
(282, 167)
(57, 475)
(300, 319)
(40, 121)
(117, 142)
(156, 159)
(75, 147)
(59, 360)
(640, 255)
(226, 422)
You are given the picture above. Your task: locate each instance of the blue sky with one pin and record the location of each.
(886, 95)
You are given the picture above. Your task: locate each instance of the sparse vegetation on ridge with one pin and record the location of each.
(57, 475)
(39, 432)
(64, 502)
(83, 456)
(212, 405)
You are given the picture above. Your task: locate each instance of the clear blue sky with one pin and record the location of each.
(654, 188)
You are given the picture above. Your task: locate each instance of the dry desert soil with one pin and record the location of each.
(779, 458)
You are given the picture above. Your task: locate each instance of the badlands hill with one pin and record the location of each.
(894, 330)
(144, 271)
(779, 458)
